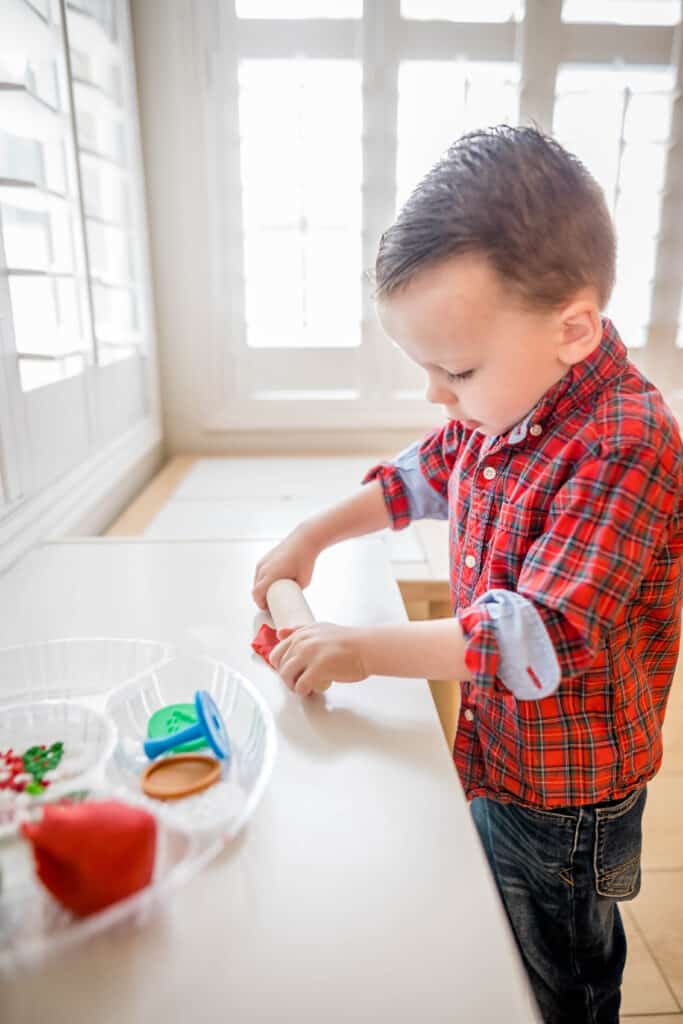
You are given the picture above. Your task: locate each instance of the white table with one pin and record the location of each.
(358, 892)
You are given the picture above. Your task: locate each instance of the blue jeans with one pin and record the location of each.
(560, 874)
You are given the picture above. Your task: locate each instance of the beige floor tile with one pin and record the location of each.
(673, 729)
(644, 989)
(658, 914)
(658, 1018)
(663, 823)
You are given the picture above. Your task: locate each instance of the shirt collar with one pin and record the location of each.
(579, 384)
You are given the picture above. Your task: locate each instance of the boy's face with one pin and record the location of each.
(488, 359)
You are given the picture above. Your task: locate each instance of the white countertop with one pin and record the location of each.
(358, 892)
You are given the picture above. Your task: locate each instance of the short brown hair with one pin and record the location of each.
(515, 196)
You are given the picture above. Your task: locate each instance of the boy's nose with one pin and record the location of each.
(436, 393)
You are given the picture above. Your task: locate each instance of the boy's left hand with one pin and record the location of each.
(310, 656)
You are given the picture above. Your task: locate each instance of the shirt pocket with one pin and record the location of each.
(514, 530)
(618, 843)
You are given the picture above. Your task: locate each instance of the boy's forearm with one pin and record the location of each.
(363, 512)
(428, 650)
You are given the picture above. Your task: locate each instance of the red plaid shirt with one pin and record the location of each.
(583, 518)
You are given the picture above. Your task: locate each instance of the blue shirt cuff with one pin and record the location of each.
(527, 662)
(424, 501)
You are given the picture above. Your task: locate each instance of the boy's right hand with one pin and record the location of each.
(292, 559)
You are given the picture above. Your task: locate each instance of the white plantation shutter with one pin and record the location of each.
(322, 117)
(74, 323)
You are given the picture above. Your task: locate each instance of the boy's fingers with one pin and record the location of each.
(304, 684)
(290, 671)
(259, 591)
(275, 656)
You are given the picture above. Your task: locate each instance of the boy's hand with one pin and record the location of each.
(310, 656)
(292, 559)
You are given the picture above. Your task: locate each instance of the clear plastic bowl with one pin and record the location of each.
(89, 739)
(224, 807)
(127, 680)
(33, 925)
(74, 669)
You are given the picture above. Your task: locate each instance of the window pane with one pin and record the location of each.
(301, 200)
(333, 257)
(38, 239)
(46, 315)
(274, 282)
(463, 10)
(115, 312)
(92, 23)
(299, 8)
(623, 12)
(37, 373)
(468, 96)
(109, 251)
(618, 123)
(105, 193)
(43, 248)
(100, 134)
(103, 120)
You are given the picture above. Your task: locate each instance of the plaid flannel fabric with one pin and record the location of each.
(582, 516)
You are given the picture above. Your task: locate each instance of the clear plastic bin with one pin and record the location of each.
(126, 681)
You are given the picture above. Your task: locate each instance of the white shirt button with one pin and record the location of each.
(469, 715)
(489, 473)
(535, 430)
(470, 561)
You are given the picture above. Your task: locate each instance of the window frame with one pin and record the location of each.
(67, 445)
(47, 431)
(540, 42)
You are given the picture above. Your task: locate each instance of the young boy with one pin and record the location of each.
(560, 471)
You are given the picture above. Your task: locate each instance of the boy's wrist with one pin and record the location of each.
(375, 648)
(312, 535)
(434, 649)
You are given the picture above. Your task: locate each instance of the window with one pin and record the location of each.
(618, 122)
(301, 202)
(44, 257)
(299, 8)
(74, 328)
(341, 107)
(467, 95)
(623, 12)
(463, 10)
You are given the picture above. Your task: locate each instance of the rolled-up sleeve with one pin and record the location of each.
(507, 640)
(415, 483)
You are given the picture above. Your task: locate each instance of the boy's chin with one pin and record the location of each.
(470, 424)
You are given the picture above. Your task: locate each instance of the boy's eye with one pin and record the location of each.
(459, 376)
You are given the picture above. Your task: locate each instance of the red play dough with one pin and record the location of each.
(90, 855)
(264, 641)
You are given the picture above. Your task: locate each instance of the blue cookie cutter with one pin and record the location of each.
(209, 727)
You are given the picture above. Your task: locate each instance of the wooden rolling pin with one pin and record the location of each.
(289, 608)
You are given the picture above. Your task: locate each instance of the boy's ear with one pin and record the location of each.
(580, 329)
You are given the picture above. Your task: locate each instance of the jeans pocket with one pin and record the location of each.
(618, 842)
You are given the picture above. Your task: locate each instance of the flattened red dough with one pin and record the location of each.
(264, 641)
(90, 855)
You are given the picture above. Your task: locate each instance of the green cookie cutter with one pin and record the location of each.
(171, 719)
